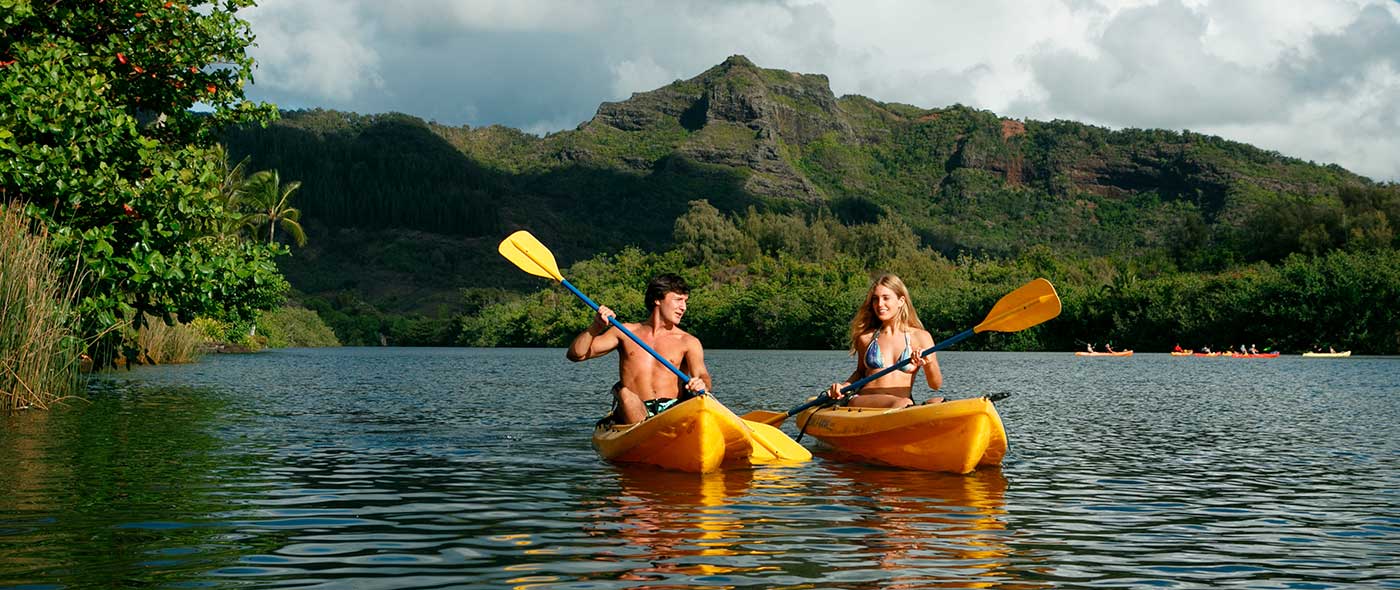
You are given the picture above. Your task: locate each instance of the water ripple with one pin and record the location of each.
(371, 468)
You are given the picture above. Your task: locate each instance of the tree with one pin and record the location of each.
(100, 141)
(267, 197)
(234, 177)
(704, 235)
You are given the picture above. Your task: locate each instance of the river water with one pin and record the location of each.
(471, 468)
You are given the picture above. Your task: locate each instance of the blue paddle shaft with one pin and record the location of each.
(854, 387)
(685, 379)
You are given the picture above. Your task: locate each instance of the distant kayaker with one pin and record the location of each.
(1177, 348)
(885, 331)
(1090, 346)
(646, 386)
(1109, 348)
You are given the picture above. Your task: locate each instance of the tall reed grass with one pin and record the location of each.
(39, 349)
(160, 344)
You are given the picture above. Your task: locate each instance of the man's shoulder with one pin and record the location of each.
(688, 338)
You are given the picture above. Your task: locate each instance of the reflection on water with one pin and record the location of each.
(67, 472)
(363, 468)
(935, 530)
(679, 524)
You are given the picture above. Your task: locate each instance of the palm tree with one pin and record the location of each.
(231, 223)
(267, 197)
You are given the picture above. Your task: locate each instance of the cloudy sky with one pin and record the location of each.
(1314, 79)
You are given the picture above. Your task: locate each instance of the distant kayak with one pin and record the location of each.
(1182, 353)
(1119, 353)
(698, 435)
(1332, 355)
(1261, 355)
(954, 436)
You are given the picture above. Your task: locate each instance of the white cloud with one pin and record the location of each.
(311, 50)
(633, 74)
(1153, 69)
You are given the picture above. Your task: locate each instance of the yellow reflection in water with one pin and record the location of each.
(684, 522)
(938, 530)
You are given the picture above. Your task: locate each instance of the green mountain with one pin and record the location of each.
(403, 215)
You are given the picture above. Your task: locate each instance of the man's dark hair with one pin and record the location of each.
(663, 284)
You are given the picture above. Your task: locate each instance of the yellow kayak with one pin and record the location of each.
(698, 435)
(954, 436)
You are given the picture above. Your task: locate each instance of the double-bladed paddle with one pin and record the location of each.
(1031, 304)
(526, 252)
(531, 256)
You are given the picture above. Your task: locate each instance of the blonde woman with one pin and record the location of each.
(885, 331)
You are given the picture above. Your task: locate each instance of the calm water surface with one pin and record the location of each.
(457, 468)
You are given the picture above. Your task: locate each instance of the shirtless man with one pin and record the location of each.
(647, 387)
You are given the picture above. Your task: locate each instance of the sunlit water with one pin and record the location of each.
(457, 468)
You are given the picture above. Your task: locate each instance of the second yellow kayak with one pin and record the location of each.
(699, 435)
(954, 436)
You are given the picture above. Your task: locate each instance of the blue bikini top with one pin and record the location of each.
(875, 360)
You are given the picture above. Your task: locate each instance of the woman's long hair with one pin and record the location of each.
(867, 321)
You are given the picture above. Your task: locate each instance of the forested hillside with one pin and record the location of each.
(404, 215)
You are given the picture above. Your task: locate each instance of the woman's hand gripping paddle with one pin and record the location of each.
(526, 252)
(1029, 305)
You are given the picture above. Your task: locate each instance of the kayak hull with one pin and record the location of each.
(1328, 355)
(955, 436)
(699, 435)
(1120, 353)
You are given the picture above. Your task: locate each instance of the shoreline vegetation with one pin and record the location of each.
(39, 349)
(42, 359)
(767, 281)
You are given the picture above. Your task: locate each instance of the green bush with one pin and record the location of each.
(291, 326)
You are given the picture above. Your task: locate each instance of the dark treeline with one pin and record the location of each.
(778, 281)
(374, 171)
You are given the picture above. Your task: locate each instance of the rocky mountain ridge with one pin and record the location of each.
(741, 136)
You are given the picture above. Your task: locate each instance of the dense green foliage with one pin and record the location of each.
(764, 297)
(98, 138)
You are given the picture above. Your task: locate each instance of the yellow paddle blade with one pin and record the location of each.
(765, 417)
(1027, 306)
(530, 255)
(778, 443)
